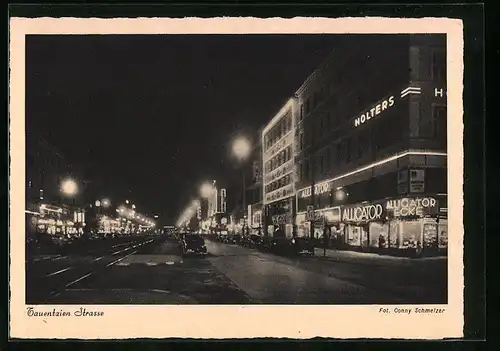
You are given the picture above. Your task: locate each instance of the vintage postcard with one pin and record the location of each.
(236, 178)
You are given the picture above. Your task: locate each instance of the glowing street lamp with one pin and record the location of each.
(105, 203)
(241, 148)
(206, 190)
(69, 187)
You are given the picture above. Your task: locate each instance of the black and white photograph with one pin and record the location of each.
(236, 169)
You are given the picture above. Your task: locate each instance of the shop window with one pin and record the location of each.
(430, 234)
(411, 234)
(354, 235)
(394, 234)
(378, 234)
(443, 233)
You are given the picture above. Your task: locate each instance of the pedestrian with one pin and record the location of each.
(381, 241)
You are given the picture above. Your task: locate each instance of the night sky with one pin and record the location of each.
(151, 117)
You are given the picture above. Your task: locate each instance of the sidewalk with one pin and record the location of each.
(355, 257)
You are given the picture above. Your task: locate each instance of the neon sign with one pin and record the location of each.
(318, 190)
(362, 213)
(374, 111)
(411, 207)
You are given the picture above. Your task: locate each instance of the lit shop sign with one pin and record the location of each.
(362, 213)
(374, 111)
(318, 190)
(411, 207)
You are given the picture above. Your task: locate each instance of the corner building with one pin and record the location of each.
(371, 139)
(278, 176)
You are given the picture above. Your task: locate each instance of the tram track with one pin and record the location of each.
(52, 277)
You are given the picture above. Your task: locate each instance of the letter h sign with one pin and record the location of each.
(438, 92)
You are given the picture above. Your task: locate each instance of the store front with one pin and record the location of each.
(279, 217)
(327, 222)
(363, 225)
(255, 219)
(419, 222)
(406, 224)
(59, 221)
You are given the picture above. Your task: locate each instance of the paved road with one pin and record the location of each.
(151, 270)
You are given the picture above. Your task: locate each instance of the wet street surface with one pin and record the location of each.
(152, 270)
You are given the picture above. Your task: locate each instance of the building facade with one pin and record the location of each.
(371, 145)
(278, 176)
(253, 188)
(218, 218)
(47, 209)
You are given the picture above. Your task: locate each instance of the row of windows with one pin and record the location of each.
(279, 159)
(349, 149)
(366, 141)
(278, 131)
(277, 184)
(316, 98)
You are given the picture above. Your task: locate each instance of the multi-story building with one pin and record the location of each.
(371, 141)
(253, 188)
(47, 209)
(278, 177)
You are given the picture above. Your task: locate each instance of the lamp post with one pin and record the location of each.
(242, 150)
(69, 187)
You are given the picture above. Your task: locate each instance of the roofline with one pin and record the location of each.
(284, 108)
(323, 65)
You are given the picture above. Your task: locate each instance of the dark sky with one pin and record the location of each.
(155, 114)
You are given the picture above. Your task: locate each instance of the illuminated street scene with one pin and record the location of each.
(254, 169)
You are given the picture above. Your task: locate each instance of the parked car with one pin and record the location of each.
(303, 245)
(193, 243)
(265, 243)
(246, 241)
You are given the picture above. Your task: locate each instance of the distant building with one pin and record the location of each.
(278, 176)
(48, 210)
(253, 188)
(371, 142)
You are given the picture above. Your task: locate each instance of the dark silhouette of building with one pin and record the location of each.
(371, 142)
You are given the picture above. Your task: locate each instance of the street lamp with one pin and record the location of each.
(242, 150)
(69, 187)
(105, 203)
(206, 189)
